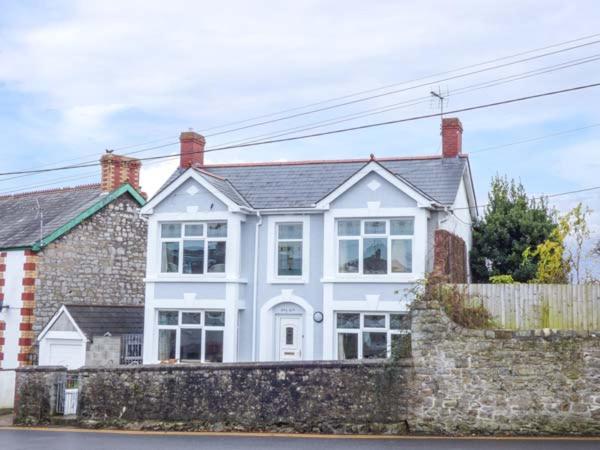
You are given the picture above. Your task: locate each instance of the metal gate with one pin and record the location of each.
(131, 348)
(67, 395)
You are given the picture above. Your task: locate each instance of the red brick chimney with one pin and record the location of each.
(451, 137)
(118, 170)
(192, 149)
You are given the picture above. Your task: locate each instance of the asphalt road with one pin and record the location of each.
(64, 440)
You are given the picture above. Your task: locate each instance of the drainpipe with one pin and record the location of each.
(255, 286)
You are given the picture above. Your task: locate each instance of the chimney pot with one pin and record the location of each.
(451, 137)
(118, 170)
(192, 149)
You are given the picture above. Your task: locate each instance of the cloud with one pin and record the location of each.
(96, 75)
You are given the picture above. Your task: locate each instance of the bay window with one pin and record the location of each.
(193, 248)
(187, 336)
(371, 335)
(375, 246)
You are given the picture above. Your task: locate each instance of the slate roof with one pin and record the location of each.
(302, 184)
(97, 320)
(20, 213)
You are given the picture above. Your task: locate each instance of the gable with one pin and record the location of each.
(373, 188)
(62, 323)
(190, 196)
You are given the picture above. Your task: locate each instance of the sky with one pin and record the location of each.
(78, 77)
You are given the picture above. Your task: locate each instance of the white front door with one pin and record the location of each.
(289, 338)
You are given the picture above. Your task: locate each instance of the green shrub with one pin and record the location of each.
(455, 302)
(502, 279)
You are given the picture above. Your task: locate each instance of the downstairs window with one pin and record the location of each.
(187, 336)
(371, 335)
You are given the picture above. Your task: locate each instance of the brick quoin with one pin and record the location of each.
(28, 296)
(2, 281)
(26, 312)
(28, 266)
(2, 325)
(25, 326)
(26, 342)
(28, 281)
(2, 267)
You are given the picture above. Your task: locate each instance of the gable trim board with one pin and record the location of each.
(62, 310)
(192, 173)
(126, 188)
(423, 200)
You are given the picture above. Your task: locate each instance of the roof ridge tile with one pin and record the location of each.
(325, 161)
(80, 187)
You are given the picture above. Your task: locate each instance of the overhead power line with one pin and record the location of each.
(397, 91)
(331, 132)
(373, 111)
(421, 100)
(414, 80)
(388, 86)
(539, 197)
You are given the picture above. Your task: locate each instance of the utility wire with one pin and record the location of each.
(540, 197)
(331, 132)
(414, 80)
(420, 100)
(397, 91)
(379, 110)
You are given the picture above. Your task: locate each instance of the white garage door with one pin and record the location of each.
(70, 353)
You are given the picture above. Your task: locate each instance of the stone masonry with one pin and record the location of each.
(458, 382)
(101, 261)
(502, 382)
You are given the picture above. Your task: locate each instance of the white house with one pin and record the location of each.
(298, 260)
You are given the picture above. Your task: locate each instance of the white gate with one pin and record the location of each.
(67, 394)
(71, 401)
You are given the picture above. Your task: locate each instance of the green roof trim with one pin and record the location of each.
(124, 189)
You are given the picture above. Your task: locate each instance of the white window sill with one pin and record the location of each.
(287, 280)
(408, 278)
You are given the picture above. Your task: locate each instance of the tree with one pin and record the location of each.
(554, 264)
(556, 260)
(580, 232)
(512, 222)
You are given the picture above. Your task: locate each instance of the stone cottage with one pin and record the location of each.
(82, 245)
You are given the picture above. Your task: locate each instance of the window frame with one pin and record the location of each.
(363, 329)
(278, 240)
(273, 276)
(182, 238)
(181, 326)
(390, 238)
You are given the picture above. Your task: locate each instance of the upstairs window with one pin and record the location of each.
(193, 248)
(375, 246)
(289, 249)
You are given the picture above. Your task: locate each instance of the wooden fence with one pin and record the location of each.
(533, 306)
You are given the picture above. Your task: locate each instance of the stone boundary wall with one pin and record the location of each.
(35, 393)
(322, 397)
(501, 381)
(458, 382)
